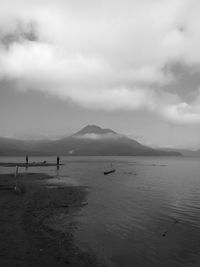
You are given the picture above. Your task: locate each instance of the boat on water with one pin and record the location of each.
(112, 170)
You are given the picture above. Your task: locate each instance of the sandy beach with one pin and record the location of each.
(28, 237)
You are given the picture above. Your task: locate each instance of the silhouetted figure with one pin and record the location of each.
(26, 159)
(58, 160)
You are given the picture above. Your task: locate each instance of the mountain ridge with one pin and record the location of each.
(91, 140)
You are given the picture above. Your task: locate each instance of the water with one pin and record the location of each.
(145, 214)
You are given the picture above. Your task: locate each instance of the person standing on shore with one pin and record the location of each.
(26, 159)
(58, 160)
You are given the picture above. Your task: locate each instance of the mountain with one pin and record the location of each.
(16, 147)
(93, 129)
(89, 141)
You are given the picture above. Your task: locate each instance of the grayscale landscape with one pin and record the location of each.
(99, 133)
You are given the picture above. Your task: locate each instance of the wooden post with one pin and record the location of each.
(17, 186)
(16, 172)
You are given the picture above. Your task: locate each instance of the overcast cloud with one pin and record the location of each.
(103, 54)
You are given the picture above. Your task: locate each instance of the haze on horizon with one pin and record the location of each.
(132, 66)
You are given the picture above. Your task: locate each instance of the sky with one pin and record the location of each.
(133, 66)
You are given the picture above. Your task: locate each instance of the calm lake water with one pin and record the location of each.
(145, 214)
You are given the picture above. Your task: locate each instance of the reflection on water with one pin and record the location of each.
(145, 214)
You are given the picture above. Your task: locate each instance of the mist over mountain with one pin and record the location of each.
(89, 141)
(94, 130)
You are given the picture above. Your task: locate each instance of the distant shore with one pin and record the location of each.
(31, 164)
(27, 236)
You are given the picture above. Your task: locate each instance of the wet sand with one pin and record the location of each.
(27, 236)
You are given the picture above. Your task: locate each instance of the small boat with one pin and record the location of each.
(112, 170)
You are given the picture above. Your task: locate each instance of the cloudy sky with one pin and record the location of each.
(133, 66)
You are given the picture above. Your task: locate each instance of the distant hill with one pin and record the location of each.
(196, 153)
(15, 147)
(89, 141)
(185, 152)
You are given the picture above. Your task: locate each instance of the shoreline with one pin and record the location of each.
(28, 237)
(31, 164)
